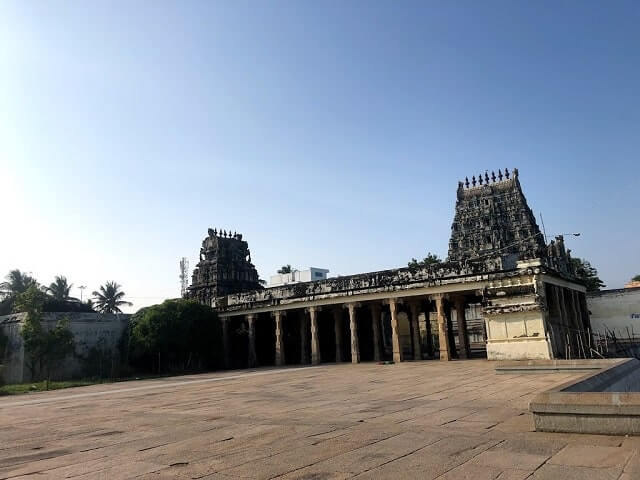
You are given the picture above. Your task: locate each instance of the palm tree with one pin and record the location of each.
(60, 289)
(110, 298)
(17, 282)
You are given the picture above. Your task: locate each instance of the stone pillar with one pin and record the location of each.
(577, 307)
(443, 334)
(251, 321)
(584, 308)
(353, 325)
(427, 324)
(563, 307)
(556, 303)
(463, 339)
(395, 338)
(315, 338)
(415, 330)
(337, 322)
(279, 338)
(572, 310)
(226, 344)
(375, 323)
(304, 354)
(452, 338)
(579, 316)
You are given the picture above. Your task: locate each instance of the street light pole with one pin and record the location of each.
(81, 287)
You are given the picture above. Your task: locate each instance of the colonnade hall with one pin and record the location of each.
(502, 292)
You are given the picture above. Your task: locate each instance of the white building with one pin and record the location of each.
(297, 276)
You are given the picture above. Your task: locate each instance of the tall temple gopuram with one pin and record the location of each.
(532, 304)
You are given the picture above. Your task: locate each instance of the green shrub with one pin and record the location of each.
(175, 336)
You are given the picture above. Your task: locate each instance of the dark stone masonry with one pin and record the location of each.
(224, 268)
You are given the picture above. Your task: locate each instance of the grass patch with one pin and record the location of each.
(19, 388)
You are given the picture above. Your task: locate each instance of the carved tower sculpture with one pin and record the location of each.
(225, 267)
(493, 221)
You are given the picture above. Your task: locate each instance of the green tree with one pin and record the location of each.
(16, 282)
(45, 348)
(285, 269)
(59, 289)
(430, 259)
(587, 273)
(110, 298)
(636, 278)
(176, 335)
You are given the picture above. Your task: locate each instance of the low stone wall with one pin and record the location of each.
(606, 401)
(90, 330)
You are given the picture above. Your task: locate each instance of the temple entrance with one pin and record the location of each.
(239, 342)
(365, 335)
(265, 340)
(292, 341)
(345, 335)
(327, 336)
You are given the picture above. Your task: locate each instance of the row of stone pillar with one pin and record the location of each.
(571, 308)
(375, 308)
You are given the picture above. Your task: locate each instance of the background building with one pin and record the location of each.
(298, 276)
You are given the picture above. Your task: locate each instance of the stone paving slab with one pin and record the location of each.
(428, 420)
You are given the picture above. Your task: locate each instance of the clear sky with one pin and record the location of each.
(331, 134)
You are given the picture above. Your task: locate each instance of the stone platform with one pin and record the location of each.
(425, 420)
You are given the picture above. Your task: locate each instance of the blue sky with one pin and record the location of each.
(331, 134)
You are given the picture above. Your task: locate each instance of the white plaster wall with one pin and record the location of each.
(512, 325)
(518, 349)
(516, 336)
(616, 310)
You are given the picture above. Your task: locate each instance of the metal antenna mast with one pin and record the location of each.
(184, 276)
(544, 232)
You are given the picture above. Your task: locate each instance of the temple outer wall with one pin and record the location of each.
(615, 310)
(90, 330)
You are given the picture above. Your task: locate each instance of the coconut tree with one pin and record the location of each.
(109, 298)
(60, 289)
(17, 282)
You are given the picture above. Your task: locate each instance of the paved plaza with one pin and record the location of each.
(422, 420)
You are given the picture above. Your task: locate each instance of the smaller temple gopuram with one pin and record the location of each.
(499, 269)
(224, 267)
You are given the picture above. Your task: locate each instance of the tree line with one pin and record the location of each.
(57, 295)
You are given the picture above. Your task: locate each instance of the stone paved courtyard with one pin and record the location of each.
(422, 420)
